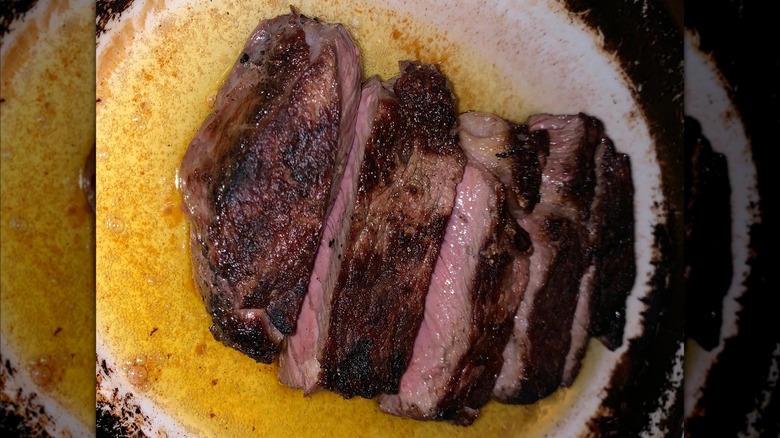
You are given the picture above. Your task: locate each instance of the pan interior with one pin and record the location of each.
(158, 72)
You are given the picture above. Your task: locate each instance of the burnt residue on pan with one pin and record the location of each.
(642, 381)
(21, 412)
(12, 11)
(107, 11)
(651, 55)
(110, 423)
(116, 413)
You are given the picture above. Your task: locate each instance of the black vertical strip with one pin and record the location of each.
(646, 38)
(742, 37)
(736, 382)
(708, 257)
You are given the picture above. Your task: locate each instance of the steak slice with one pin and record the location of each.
(406, 192)
(469, 309)
(545, 333)
(580, 327)
(708, 257)
(569, 178)
(261, 174)
(299, 363)
(510, 151)
(612, 235)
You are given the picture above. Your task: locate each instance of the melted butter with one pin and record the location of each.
(152, 100)
(47, 249)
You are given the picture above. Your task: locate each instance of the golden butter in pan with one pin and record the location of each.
(47, 316)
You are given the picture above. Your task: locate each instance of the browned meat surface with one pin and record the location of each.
(406, 191)
(708, 258)
(387, 247)
(568, 178)
(580, 327)
(469, 309)
(535, 359)
(512, 152)
(299, 363)
(612, 236)
(261, 174)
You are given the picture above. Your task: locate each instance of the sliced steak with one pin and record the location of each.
(513, 153)
(708, 257)
(611, 228)
(299, 363)
(469, 309)
(406, 192)
(580, 326)
(261, 174)
(569, 178)
(535, 359)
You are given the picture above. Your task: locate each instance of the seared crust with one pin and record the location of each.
(543, 353)
(612, 231)
(406, 193)
(260, 175)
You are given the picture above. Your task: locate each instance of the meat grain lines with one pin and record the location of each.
(381, 245)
